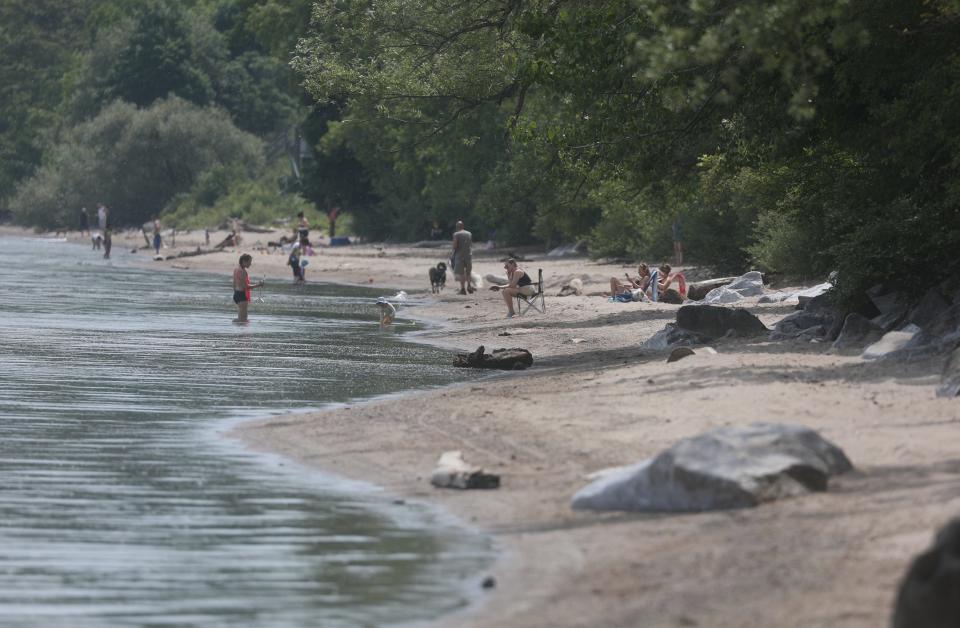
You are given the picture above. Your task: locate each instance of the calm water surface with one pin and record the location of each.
(119, 503)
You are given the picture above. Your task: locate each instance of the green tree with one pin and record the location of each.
(135, 161)
(158, 60)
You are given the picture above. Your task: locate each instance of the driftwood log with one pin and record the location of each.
(504, 359)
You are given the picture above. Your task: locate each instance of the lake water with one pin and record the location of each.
(120, 505)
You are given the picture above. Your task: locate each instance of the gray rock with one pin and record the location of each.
(931, 307)
(673, 336)
(891, 342)
(713, 321)
(892, 305)
(857, 331)
(803, 324)
(730, 467)
(699, 289)
(928, 596)
(950, 380)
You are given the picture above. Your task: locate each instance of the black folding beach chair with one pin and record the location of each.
(535, 300)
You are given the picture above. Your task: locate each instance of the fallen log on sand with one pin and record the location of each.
(504, 359)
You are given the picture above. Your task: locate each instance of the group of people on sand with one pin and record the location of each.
(461, 258)
(650, 286)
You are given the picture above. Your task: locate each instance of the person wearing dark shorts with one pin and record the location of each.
(303, 231)
(241, 287)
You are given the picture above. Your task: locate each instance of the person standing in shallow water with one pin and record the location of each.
(157, 240)
(462, 257)
(107, 242)
(241, 287)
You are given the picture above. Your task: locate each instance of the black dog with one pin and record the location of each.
(438, 277)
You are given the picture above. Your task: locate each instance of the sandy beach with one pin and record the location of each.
(595, 399)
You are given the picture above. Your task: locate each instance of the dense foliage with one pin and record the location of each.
(799, 136)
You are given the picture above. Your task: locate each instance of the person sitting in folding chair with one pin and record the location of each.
(518, 283)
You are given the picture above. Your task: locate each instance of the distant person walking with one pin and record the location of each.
(107, 243)
(462, 257)
(677, 228)
(84, 221)
(241, 287)
(157, 240)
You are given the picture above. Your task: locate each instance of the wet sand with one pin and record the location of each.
(596, 399)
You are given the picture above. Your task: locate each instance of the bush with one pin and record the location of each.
(225, 192)
(135, 161)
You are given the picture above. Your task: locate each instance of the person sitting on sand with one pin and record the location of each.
(241, 287)
(518, 282)
(640, 282)
(660, 290)
(233, 239)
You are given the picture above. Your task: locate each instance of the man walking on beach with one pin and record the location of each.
(84, 221)
(462, 259)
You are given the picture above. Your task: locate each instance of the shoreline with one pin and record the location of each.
(593, 400)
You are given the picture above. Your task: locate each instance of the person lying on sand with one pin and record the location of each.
(640, 282)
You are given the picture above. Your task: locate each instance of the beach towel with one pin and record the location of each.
(681, 284)
(654, 285)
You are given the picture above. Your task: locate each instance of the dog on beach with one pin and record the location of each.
(438, 277)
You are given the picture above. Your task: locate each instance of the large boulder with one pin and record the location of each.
(697, 290)
(929, 596)
(747, 285)
(730, 467)
(857, 331)
(892, 305)
(803, 325)
(712, 321)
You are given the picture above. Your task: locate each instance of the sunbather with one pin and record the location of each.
(660, 289)
(640, 282)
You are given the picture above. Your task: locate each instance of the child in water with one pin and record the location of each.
(241, 287)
